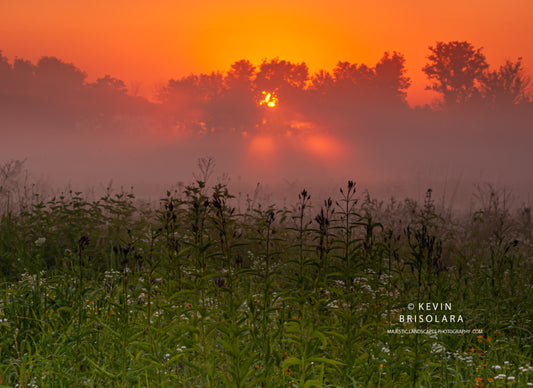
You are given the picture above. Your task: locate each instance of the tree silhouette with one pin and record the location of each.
(241, 76)
(322, 82)
(353, 86)
(361, 86)
(5, 73)
(507, 85)
(23, 77)
(348, 75)
(103, 98)
(56, 92)
(391, 81)
(18, 79)
(4, 64)
(109, 84)
(457, 70)
(283, 76)
(55, 75)
(237, 109)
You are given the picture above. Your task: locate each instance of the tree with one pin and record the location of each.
(507, 85)
(354, 85)
(281, 75)
(457, 70)
(193, 88)
(237, 109)
(381, 85)
(348, 75)
(240, 77)
(4, 64)
(17, 79)
(5, 73)
(322, 82)
(23, 78)
(54, 74)
(391, 80)
(109, 84)
(104, 98)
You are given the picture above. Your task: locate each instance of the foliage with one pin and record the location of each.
(457, 70)
(194, 292)
(460, 73)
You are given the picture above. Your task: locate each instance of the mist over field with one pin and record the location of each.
(274, 124)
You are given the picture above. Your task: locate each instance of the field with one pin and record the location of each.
(202, 291)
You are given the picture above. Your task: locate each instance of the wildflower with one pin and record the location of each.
(40, 241)
(510, 378)
(437, 348)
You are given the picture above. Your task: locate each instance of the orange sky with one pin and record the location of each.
(152, 41)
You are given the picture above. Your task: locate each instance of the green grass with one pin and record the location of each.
(195, 292)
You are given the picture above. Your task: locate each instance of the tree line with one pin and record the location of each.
(457, 71)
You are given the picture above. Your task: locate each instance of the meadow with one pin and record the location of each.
(201, 290)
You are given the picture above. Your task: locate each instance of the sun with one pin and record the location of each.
(269, 99)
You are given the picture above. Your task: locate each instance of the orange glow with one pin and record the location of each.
(262, 146)
(324, 147)
(270, 99)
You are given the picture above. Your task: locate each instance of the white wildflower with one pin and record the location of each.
(40, 241)
(437, 348)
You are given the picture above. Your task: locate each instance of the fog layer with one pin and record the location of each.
(313, 131)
